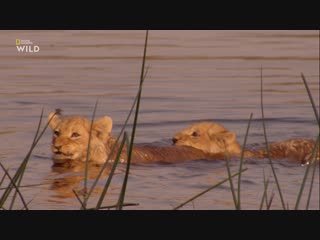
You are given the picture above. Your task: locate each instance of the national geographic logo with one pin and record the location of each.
(26, 46)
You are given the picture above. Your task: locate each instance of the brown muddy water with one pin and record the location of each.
(193, 76)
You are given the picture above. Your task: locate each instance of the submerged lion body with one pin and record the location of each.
(205, 140)
(213, 138)
(143, 153)
(299, 150)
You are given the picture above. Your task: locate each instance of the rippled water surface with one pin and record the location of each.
(192, 76)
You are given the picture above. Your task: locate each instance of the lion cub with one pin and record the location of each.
(209, 137)
(71, 136)
(213, 138)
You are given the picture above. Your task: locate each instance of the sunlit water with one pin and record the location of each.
(192, 76)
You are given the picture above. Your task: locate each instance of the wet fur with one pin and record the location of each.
(213, 138)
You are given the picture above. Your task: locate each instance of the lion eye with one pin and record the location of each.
(56, 133)
(195, 134)
(74, 135)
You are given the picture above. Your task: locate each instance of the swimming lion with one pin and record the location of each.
(213, 138)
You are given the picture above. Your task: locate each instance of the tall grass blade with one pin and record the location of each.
(117, 140)
(123, 190)
(264, 196)
(86, 172)
(193, 205)
(311, 99)
(38, 128)
(241, 161)
(306, 173)
(2, 179)
(121, 196)
(114, 166)
(31, 200)
(15, 186)
(315, 164)
(114, 145)
(267, 145)
(83, 206)
(270, 201)
(19, 173)
(112, 148)
(24, 163)
(21, 169)
(114, 206)
(227, 157)
(207, 190)
(15, 192)
(28, 203)
(314, 150)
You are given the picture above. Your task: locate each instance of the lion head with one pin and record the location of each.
(71, 137)
(210, 137)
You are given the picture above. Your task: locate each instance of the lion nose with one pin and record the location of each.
(174, 140)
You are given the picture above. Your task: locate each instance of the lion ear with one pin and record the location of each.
(227, 137)
(216, 129)
(103, 127)
(54, 119)
(103, 124)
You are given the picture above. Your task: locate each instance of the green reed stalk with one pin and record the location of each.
(86, 172)
(311, 99)
(313, 150)
(267, 145)
(83, 206)
(238, 207)
(264, 196)
(115, 206)
(306, 173)
(18, 176)
(315, 164)
(112, 149)
(15, 193)
(227, 158)
(270, 201)
(19, 173)
(2, 179)
(15, 186)
(117, 140)
(207, 190)
(30, 201)
(114, 166)
(123, 190)
(121, 196)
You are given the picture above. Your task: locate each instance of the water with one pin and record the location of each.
(193, 76)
